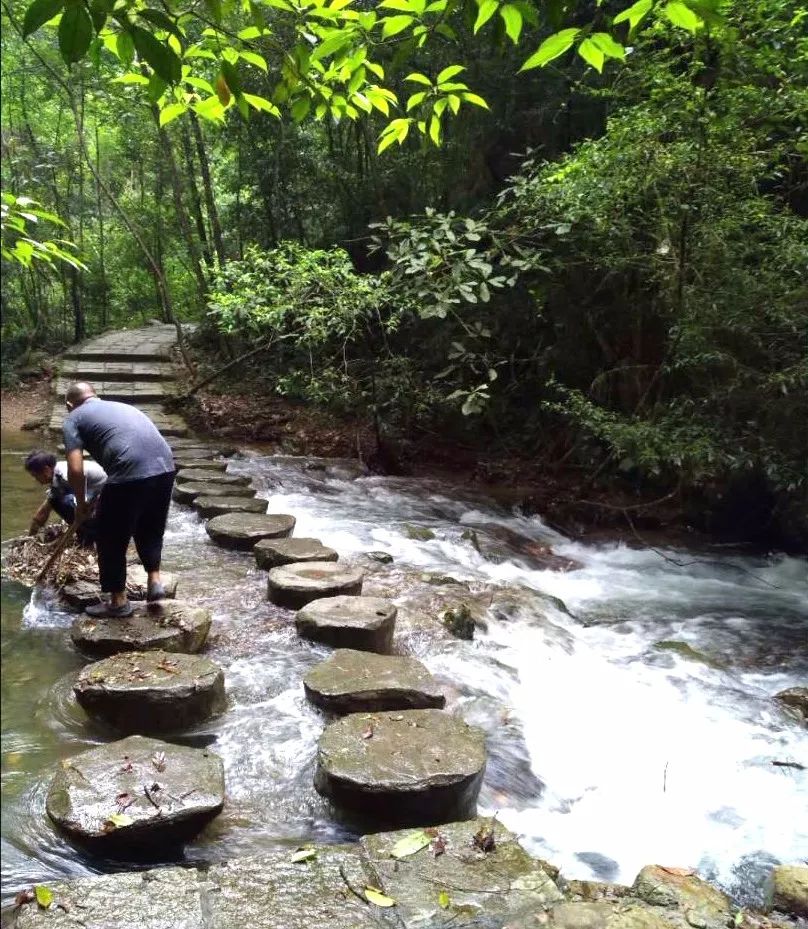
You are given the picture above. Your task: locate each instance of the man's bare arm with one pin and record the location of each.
(75, 474)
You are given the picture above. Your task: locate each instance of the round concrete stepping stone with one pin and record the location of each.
(242, 530)
(169, 625)
(270, 553)
(186, 464)
(295, 585)
(148, 692)
(357, 682)
(211, 477)
(186, 493)
(209, 507)
(413, 766)
(136, 793)
(364, 623)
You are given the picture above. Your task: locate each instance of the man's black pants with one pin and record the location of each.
(135, 510)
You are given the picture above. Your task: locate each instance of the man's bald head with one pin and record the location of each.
(77, 393)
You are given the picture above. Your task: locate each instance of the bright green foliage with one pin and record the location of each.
(20, 244)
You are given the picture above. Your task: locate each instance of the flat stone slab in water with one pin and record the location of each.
(412, 766)
(242, 530)
(187, 493)
(295, 585)
(148, 692)
(357, 682)
(169, 625)
(208, 507)
(363, 623)
(271, 553)
(197, 464)
(209, 476)
(136, 793)
(81, 594)
(199, 448)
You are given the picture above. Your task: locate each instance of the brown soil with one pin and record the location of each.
(29, 401)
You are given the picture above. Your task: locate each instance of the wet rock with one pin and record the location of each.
(33, 423)
(503, 887)
(187, 493)
(357, 682)
(81, 594)
(687, 652)
(789, 890)
(459, 621)
(195, 447)
(413, 766)
(197, 464)
(208, 507)
(148, 692)
(702, 905)
(137, 581)
(271, 553)
(590, 891)
(136, 793)
(380, 557)
(796, 698)
(169, 625)
(241, 531)
(418, 533)
(293, 586)
(363, 623)
(499, 543)
(208, 476)
(612, 914)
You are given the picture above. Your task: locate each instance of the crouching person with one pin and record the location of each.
(44, 467)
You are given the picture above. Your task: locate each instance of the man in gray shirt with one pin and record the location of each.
(136, 496)
(44, 468)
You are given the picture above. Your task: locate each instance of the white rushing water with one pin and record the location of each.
(607, 752)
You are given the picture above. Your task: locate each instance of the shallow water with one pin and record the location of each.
(606, 751)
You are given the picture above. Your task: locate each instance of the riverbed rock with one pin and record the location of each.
(500, 543)
(789, 890)
(418, 533)
(208, 476)
(358, 682)
(81, 594)
(199, 448)
(796, 698)
(187, 493)
(363, 623)
(241, 531)
(380, 557)
(293, 586)
(271, 553)
(197, 464)
(702, 905)
(148, 692)
(499, 888)
(136, 793)
(612, 914)
(208, 507)
(168, 625)
(412, 766)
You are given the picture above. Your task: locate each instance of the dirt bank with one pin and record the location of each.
(28, 402)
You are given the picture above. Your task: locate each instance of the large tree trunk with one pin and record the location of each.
(196, 198)
(207, 187)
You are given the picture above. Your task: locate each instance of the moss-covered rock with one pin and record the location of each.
(796, 699)
(459, 621)
(419, 533)
(702, 905)
(789, 890)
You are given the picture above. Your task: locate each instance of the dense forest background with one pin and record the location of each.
(605, 268)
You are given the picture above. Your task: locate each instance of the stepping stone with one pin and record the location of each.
(168, 625)
(186, 493)
(81, 594)
(192, 446)
(137, 581)
(364, 623)
(207, 464)
(358, 682)
(295, 585)
(209, 507)
(413, 766)
(148, 692)
(212, 477)
(270, 553)
(136, 793)
(242, 530)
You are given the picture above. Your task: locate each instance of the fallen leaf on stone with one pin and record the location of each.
(116, 820)
(484, 839)
(377, 898)
(24, 896)
(44, 896)
(444, 900)
(367, 732)
(303, 854)
(159, 760)
(678, 872)
(438, 846)
(410, 844)
(124, 800)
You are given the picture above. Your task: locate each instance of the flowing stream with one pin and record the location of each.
(607, 749)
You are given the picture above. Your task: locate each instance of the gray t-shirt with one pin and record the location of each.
(122, 439)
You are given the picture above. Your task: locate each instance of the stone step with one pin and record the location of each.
(149, 692)
(187, 493)
(294, 585)
(358, 682)
(419, 767)
(210, 507)
(208, 464)
(168, 625)
(364, 623)
(167, 424)
(124, 391)
(136, 793)
(272, 553)
(240, 531)
(100, 355)
(210, 476)
(92, 371)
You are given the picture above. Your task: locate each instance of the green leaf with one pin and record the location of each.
(551, 48)
(262, 104)
(300, 109)
(513, 21)
(475, 99)
(591, 54)
(681, 15)
(75, 32)
(39, 13)
(231, 75)
(418, 79)
(211, 108)
(254, 59)
(410, 844)
(251, 32)
(199, 83)
(158, 18)
(449, 73)
(119, 819)
(485, 12)
(158, 55)
(332, 44)
(303, 854)
(131, 78)
(635, 14)
(375, 896)
(444, 901)
(606, 44)
(403, 6)
(125, 48)
(172, 111)
(392, 25)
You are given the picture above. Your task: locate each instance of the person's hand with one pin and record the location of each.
(83, 511)
(36, 524)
